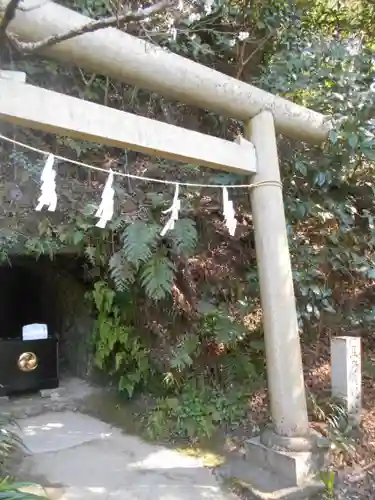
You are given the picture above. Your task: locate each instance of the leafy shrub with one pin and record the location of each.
(14, 491)
(117, 347)
(339, 430)
(11, 442)
(196, 412)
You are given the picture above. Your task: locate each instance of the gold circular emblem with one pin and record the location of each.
(27, 362)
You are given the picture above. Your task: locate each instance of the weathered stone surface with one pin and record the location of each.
(72, 391)
(80, 457)
(53, 394)
(255, 483)
(294, 468)
(65, 294)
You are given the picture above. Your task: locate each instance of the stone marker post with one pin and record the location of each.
(347, 375)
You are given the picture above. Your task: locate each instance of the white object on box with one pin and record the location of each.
(36, 331)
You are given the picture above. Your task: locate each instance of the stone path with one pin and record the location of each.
(75, 456)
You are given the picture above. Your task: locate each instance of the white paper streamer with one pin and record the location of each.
(229, 213)
(106, 207)
(173, 210)
(48, 197)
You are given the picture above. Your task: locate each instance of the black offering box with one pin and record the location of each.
(25, 365)
(28, 365)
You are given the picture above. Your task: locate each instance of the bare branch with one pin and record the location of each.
(117, 21)
(8, 16)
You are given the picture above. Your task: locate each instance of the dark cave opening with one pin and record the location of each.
(21, 300)
(50, 292)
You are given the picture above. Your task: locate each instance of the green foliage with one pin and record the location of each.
(157, 276)
(220, 326)
(10, 443)
(184, 237)
(369, 368)
(15, 491)
(220, 351)
(195, 413)
(145, 255)
(243, 367)
(118, 349)
(139, 239)
(326, 62)
(121, 271)
(132, 263)
(328, 478)
(339, 429)
(10, 440)
(130, 254)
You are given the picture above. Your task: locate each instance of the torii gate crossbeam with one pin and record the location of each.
(21, 104)
(128, 59)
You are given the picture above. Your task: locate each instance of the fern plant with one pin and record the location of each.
(185, 353)
(184, 237)
(121, 271)
(157, 276)
(139, 240)
(220, 326)
(147, 258)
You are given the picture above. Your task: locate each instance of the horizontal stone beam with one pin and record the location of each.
(17, 76)
(49, 111)
(129, 59)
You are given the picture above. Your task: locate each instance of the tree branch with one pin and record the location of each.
(9, 15)
(109, 22)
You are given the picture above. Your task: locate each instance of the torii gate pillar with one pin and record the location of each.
(290, 430)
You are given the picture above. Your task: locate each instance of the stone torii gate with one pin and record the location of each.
(288, 448)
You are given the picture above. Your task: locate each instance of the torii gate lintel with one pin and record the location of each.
(125, 58)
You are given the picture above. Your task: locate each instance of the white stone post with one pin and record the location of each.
(283, 351)
(346, 378)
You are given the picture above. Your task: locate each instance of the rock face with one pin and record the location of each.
(72, 318)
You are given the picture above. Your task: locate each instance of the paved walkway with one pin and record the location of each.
(79, 457)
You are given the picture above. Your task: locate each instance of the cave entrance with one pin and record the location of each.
(23, 299)
(49, 292)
